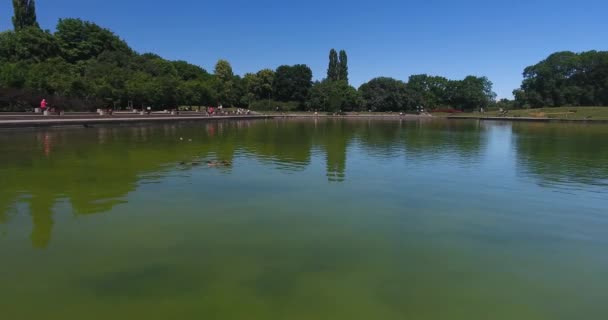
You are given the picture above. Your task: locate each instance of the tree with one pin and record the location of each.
(195, 93)
(427, 91)
(29, 44)
(141, 89)
(250, 82)
(333, 96)
(333, 72)
(566, 78)
(154, 65)
(292, 83)
(505, 104)
(25, 14)
(385, 94)
(13, 75)
(263, 89)
(54, 76)
(223, 70)
(258, 85)
(106, 77)
(226, 84)
(187, 71)
(81, 40)
(343, 66)
(472, 93)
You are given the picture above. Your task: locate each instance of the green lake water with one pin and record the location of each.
(326, 219)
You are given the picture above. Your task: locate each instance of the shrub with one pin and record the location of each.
(446, 111)
(273, 105)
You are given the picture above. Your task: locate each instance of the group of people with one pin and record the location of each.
(211, 111)
(240, 111)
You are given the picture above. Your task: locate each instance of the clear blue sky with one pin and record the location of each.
(496, 39)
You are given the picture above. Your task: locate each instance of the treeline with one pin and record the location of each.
(83, 66)
(566, 79)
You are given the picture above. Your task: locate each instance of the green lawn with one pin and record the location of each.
(573, 113)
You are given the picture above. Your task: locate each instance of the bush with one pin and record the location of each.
(446, 111)
(272, 105)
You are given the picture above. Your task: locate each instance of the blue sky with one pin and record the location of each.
(497, 39)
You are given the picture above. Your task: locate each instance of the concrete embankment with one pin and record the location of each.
(528, 119)
(356, 116)
(27, 121)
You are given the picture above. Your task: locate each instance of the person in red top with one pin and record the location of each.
(43, 104)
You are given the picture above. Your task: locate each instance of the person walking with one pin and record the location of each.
(43, 105)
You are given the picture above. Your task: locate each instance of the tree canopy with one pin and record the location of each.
(292, 83)
(25, 14)
(566, 79)
(82, 40)
(84, 66)
(343, 66)
(333, 96)
(333, 72)
(384, 94)
(338, 66)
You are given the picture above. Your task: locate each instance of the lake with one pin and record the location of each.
(305, 219)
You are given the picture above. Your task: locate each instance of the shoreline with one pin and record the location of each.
(528, 119)
(9, 122)
(29, 120)
(355, 116)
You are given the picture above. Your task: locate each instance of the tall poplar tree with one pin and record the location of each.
(343, 66)
(25, 14)
(333, 73)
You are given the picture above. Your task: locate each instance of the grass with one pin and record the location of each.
(571, 113)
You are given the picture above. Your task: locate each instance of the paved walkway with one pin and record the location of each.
(7, 122)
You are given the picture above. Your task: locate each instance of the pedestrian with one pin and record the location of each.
(43, 105)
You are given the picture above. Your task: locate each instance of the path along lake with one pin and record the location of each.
(305, 219)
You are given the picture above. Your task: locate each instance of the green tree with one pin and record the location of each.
(13, 75)
(343, 66)
(30, 45)
(81, 40)
(263, 89)
(155, 65)
(258, 85)
(187, 71)
(226, 83)
(54, 76)
(566, 78)
(427, 91)
(292, 83)
(504, 104)
(472, 93)
(223, 71)
(25, 14)
(333, 96)
(105, 78)
(385, 94)
(141, 89)
(251, 83)
(333, 72)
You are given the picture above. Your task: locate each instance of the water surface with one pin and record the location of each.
(304, 219)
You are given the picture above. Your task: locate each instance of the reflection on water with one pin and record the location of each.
(562, 154)
(389, 218)
(95, 169)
